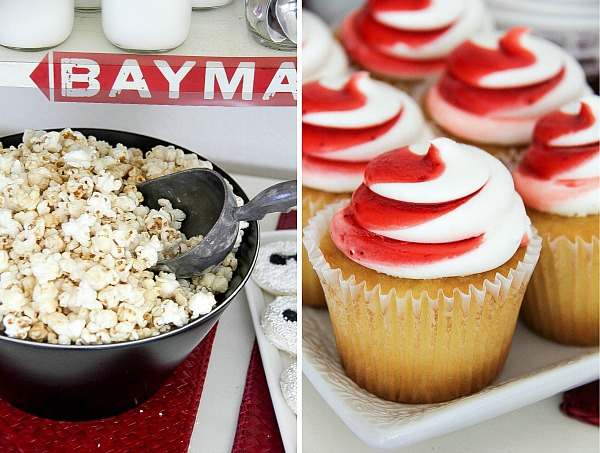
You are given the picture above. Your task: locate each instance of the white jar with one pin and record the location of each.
(146, 25)
(209, 4)
(88, 5)
(35, 24)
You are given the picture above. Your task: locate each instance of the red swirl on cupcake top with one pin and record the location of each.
(497, 85)
(409, 39)
(432, 210)
(467, 83)
(560, 170)
(346, 121)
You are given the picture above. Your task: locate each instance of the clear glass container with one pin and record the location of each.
(272, 23)
(146, 25)
(209, 4)
(35, 24)
(88, 5)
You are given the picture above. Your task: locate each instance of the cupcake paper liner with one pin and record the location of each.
(561, 302)
(416, 348)
(312, 293)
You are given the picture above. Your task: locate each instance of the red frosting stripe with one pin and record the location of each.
(557, 124)
(318, 140)
(470, 62)
(483, 101)
(402, 165)
(316, 165)
(318, 98)
(544, 161)
(374, 60)
(378, 36)
(374, 212)
(366, 247)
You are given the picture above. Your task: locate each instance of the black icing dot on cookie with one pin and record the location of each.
(281, 260)
(289, 315)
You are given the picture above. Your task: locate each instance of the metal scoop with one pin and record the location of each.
(211, 211)
(286, 12)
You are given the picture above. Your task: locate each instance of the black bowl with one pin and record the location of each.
(90, 382)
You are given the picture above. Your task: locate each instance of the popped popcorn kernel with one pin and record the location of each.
(76, 242)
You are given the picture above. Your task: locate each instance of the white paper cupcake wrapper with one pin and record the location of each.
(318, 226)
(561, 302)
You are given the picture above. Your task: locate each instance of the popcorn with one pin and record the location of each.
(79, 228)
(201, 304)
(76, 242)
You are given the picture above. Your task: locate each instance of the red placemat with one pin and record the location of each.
(257, 429)
(163, 423)
(581, 403)
(288, 221)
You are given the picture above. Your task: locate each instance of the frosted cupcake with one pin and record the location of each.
(346, 121)
(497, 86)
(322, 55)
(424, 271)
(407, 42)
(559, 182)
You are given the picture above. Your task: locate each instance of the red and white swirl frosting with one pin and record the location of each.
(346, 121)
(496, 86)
(322, 55)
(431, 210)
(560, 172)
(410, 39)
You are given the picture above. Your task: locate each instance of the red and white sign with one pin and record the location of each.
(167, 79)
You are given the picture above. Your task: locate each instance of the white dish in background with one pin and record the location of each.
(274, 361)
(536, 369)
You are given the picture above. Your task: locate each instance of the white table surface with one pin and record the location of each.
(539, 427)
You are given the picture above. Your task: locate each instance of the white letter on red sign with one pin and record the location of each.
(174, 78)
(68, 77)
(287, 71)
(130, 69)
(244, 73)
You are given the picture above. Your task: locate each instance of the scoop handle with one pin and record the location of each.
(280, 197)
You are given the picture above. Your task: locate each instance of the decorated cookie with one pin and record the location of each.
(289, 386)
(275, 269)
(279, 323)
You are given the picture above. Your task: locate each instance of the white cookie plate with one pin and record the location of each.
(274, 361)
(536, 369)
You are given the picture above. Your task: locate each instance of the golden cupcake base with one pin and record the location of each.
(314, 200)
(562, 300)
(419, 341)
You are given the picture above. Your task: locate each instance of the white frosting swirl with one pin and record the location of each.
(573, 188)
(493, 212)
(463, 17)
(438, 14)
(322, 55)
(511, 122)
(382, 104)
(549, 61)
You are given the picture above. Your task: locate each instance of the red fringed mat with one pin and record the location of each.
(288, 221)
(257, 429)
(164, 423)
(581, 403)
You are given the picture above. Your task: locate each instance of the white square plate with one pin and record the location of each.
(274, 361)
(535, 369)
